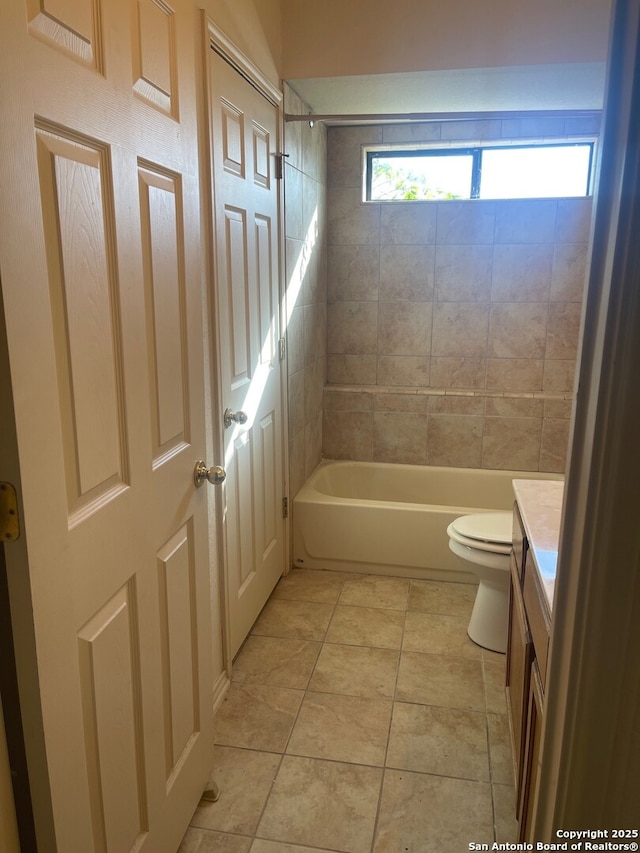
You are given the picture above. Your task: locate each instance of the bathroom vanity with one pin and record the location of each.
(536, 527)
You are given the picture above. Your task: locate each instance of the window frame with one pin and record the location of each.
(475, 149)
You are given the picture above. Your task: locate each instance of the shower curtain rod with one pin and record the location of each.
(459, 116)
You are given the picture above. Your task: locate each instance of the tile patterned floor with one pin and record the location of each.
(360, 719)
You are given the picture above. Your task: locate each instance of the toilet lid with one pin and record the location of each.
(477, 544)
(493, 527)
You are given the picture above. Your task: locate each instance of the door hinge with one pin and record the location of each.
(282, 348)
(9, 521)
(285, 507)
(280, 165)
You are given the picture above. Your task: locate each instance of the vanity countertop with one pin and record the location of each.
(540, 505)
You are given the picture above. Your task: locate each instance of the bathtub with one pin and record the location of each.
(391, 519)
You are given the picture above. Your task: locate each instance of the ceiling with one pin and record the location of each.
(574, 86)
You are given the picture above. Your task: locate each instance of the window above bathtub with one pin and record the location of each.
(524, 169)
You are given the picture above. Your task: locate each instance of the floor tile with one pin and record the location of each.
(448, 599)
(262, 846)
(366, 626)
(310, 585)
(504, 814)
(439, 680)
(342, 728)
(355, 671)
(322, 804)
(257, 717)
(443, 741)
(494, 686)
(432, 814)
(436, 634)
(244, 778)
(500, 749)
(303, 620)
(277, 661)
(375, 591)
(204, 841)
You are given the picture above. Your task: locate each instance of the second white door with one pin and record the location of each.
(244, 142)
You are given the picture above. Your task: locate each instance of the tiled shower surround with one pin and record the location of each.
(452, 327)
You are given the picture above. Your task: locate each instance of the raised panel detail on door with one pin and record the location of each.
(163, 257)
(179, 646)
(73, 27)
(154, 56)
(267, 310)
(261, 143)
(77, 206)
(237, 287)
(270, 511)
(110, 683)
(233, 139)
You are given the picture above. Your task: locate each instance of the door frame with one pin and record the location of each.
(216, 40)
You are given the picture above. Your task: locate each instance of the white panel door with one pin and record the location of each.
(102, 292)
(244, 142)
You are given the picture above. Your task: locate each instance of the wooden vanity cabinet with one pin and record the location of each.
(527, 647)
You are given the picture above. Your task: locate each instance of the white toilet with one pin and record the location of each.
(484, 541)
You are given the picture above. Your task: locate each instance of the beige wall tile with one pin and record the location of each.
(350, 401)
(518, 330)
(405, 370)
(349, 221)
(466, 222)
(555, 442)
(314, 381)
(463, 273)
(451, 372)
(564, 330)
(511, 443)
(401, 402)
(406, 273)
(531, 221)
(352, 369)
(450, 404)
(344, 152)
(407, 224)
(296, 403)
(455, 440)
(557, 408)
(348, 435)
(558, 376)
(514, 407)
(569, 274)
(296, 463)
(404, 328)
(312, 444)
(399, 437)
(295, 340)
(574, 220)
(521, 273)
(293, 203)
(353, 273)
(413, 132)
(352, 328)
(315, 332)
(473, 130)
(514, 374)
(460, 328)
(532, 127)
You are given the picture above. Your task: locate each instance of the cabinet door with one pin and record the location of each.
(519, 657)
(533, 744)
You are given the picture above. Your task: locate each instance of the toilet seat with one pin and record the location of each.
(483, 531)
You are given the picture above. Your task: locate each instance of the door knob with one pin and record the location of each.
(234, 417)
(215, 475)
